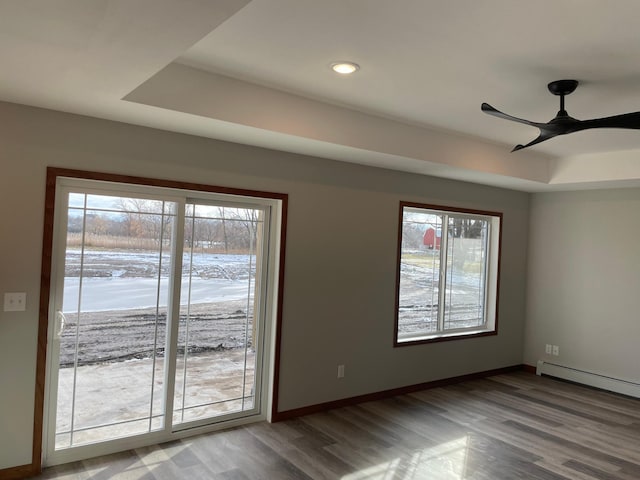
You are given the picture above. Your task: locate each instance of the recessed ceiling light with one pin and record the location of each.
(344, 68)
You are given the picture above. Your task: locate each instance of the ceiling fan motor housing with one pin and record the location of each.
(562, 87)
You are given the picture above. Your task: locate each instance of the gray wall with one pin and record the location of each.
(583, 281)
(340, 258)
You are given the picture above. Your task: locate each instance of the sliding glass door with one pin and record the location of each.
(158, 314)
(217, 334)
(110, 329)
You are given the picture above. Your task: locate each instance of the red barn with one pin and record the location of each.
(432, 238)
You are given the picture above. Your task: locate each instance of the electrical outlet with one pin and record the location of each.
(547, 349)
(556, 350)
(15, 302)
(340, 371)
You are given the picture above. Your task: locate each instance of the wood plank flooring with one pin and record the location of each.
(512, 426)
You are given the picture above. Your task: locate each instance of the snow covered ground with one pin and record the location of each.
(119, 280)
(114, 399)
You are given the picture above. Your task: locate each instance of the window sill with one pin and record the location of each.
(443, 337)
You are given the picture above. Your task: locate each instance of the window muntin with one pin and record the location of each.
(447, 273)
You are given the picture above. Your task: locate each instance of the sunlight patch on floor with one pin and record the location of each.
(446, 461)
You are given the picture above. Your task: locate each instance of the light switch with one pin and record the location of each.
(15, 302)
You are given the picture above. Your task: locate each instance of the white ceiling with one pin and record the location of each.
(257, 72)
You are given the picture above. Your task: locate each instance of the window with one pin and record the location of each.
(448, 262)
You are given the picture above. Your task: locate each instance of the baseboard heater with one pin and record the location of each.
(611, 384)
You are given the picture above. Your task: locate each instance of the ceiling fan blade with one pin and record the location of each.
(626, 120)
(486, 108)
(541, 138)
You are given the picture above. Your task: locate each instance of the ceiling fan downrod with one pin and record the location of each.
(562, 88)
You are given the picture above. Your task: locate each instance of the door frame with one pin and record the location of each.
(276, 278)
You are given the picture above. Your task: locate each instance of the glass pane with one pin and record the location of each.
(122, 204)
(466, 273)
(217, 332)
(111, 364)
(419, 273)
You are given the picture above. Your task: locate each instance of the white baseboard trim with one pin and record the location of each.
(611, 384)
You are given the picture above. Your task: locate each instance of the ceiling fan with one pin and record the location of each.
(563, 123)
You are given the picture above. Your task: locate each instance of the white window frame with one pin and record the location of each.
(491, 267)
